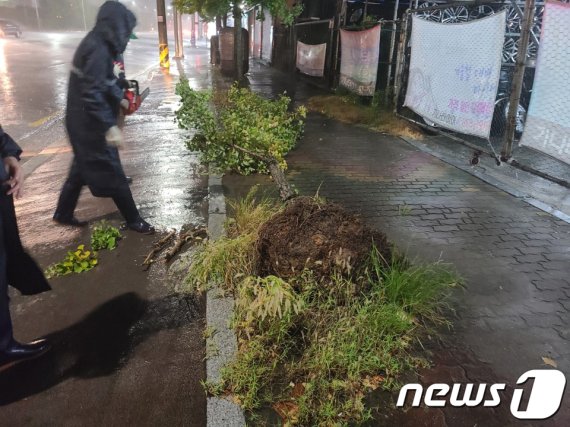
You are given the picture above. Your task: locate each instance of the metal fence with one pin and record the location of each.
(515, 82)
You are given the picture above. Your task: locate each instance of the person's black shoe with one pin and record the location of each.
(129, 179)
(16, 352)
(63, 220)
(141, 226)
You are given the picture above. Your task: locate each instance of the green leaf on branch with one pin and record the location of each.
(239, 130)
(209, 9)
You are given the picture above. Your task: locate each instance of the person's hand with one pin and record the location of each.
(114, 137)
(16, 175)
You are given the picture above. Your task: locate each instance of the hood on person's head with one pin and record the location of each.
(116, 23)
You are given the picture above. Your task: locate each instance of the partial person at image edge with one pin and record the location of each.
(17, 268)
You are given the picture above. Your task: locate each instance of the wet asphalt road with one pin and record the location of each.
(128, 350)
(34, 73)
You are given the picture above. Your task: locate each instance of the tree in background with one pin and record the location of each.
(211, 10)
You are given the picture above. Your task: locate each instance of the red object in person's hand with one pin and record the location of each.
(133, 97)
(134, 102)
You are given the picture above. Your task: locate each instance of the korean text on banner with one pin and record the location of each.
(454, 72)
(359, 60)
(547, 126)
(311, 58)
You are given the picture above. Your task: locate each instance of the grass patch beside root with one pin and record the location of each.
(230, 259)
(313, 348)
(348, 109)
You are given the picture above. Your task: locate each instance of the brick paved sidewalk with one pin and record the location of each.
(515, 258)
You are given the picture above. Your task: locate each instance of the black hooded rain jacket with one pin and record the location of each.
(93, 100)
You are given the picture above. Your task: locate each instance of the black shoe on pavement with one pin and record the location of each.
(129, 179)
(141, 226)
(63, 220)
(17, 352)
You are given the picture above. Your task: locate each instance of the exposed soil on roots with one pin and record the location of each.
(322, 237)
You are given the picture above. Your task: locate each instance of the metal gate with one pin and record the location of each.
(515, 82)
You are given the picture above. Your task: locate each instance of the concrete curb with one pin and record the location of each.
(489, 179)
(219, 309)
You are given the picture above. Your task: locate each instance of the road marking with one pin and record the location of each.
(58, 64)
(47, 152)
(55, 150)
(45, 119)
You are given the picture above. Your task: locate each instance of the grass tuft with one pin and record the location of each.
(349, 109)
(250, 213)
(228, 260)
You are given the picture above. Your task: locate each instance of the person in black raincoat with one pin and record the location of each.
(17, 268)
(93, 104)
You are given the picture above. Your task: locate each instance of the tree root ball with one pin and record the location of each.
(322, 237)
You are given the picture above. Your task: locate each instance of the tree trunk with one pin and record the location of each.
(285, 190)
(238, 42)
(218, 23)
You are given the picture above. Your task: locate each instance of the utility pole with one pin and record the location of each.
(162, 35)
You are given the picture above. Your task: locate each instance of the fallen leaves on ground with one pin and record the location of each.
(372, 383)
(288, 411)
(550, 362)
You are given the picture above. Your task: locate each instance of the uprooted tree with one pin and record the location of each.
(241, 131)
(326, 309)
(213, 10)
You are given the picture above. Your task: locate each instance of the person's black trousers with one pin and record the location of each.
(17, 268)
(72, 189)
(5, 321)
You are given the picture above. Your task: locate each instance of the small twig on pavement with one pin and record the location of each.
(195, 234)
(158, 246)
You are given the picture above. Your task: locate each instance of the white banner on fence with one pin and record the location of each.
(454, 72)
(311, 58)
(359, 60)
(547, 126)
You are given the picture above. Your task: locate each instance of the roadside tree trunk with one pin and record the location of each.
(285, 190)
(238, 42)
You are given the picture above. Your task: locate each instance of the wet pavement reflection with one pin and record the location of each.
(126, 347)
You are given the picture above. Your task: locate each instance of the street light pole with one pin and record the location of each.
(162, 35)
(83, 11)
(192, 30)
(37, 14)
(179, 48)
